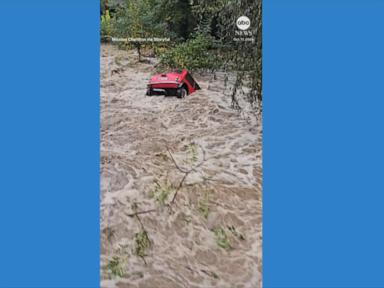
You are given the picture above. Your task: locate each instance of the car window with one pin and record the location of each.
(190, 80)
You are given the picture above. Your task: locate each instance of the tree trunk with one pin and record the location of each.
(138, 46)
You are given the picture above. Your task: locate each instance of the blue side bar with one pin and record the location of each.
(49, 147)
(323, 143)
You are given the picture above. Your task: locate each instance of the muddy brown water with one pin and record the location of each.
(222, 192)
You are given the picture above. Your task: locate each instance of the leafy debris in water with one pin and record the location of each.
(142, 243)
(235, 232)
(222, 238)
(115, 267)
(191, 154)
(162, 191)
(203, 205)
(210, 273)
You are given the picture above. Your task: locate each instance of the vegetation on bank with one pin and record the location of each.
(202, 37)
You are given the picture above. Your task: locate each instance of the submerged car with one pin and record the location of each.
(178, 84)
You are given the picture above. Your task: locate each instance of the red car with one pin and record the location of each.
(177, 84)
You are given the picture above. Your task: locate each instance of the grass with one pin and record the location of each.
(222, 238)
(142, 243)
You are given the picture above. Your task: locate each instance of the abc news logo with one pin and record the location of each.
(243, 23)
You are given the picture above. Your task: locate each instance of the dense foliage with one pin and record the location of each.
(193, 54)
(202, 36)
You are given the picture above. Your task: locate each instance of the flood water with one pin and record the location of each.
(211, 235)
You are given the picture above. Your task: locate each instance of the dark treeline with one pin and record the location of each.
(202, 36)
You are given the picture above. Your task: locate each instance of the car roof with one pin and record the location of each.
(169, 76)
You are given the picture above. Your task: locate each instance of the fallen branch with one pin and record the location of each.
(174, 162)
(179, 187)
(140, 212)
(193, 168)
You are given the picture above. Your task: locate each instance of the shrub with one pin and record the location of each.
(196, 53)
(106, 25)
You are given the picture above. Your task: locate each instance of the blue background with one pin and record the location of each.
(49, 124)
(323, 142)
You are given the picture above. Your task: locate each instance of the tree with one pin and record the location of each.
(136, 20)
(218, 17)
(176, 16)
